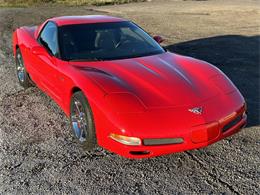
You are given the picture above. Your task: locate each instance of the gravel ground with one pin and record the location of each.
(37, 151)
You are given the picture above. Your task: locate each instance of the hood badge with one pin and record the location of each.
(196, 110)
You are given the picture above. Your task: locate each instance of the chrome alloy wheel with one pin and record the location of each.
(20, 68)
(78, 120)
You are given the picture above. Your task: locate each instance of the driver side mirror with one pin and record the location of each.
(158, 39)
(38, 50)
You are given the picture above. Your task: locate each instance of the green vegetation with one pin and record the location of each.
(27, 3)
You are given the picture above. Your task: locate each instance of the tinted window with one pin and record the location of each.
(48, 38)
(106, 41)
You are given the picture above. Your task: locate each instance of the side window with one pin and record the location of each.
(49, 38)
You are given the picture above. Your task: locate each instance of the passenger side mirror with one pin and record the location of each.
(158, 39)
(38, 50)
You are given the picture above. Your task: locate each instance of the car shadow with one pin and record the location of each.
(238, 57)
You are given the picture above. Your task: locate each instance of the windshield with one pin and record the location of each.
(105, 41)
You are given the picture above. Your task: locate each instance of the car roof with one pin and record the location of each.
(70, 20)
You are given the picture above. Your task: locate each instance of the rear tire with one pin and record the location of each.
(22, 75)
(81, 120)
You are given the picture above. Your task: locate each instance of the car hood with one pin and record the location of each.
(162, 80)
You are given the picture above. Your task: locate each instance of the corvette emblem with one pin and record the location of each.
(196, 110)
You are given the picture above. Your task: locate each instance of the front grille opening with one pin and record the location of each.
(232, 123)
(139, 152)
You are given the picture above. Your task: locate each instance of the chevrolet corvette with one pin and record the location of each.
(122, 90)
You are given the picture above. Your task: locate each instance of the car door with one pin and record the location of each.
(46, 61)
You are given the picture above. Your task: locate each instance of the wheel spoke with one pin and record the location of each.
(20, 68)
(78, 119)
(74, 118)
(81, 133)
(76, 103)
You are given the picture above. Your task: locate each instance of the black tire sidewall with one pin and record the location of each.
(90, 142)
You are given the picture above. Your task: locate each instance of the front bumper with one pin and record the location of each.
(224, 116)
(209, 136)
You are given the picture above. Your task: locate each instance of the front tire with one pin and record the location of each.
(22, 75)
(81, 120)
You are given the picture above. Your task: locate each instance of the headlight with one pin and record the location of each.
(131, 141)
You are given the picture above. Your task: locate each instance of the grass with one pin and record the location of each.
(27, 3)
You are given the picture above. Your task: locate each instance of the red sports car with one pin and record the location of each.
(123, 91)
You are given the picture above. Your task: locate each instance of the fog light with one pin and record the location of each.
(131, 141)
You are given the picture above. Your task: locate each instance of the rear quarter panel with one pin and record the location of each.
(24, 39)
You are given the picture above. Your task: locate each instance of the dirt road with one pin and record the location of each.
(37, 151)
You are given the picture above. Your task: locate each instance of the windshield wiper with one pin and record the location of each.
(85, 60)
